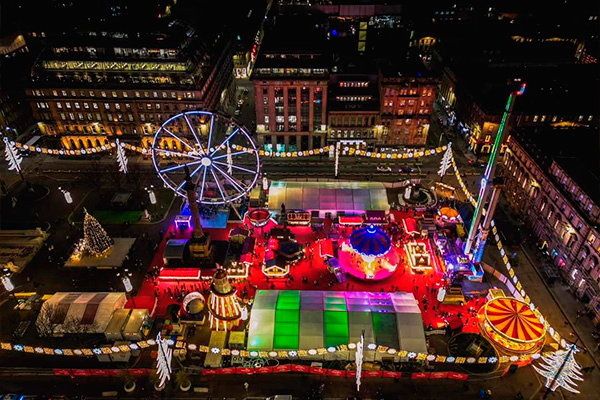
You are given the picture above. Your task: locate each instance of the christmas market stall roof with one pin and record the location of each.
(72, 312)
(293, 320)
(335, 196)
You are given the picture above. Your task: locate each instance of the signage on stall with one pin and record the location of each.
(298, 217)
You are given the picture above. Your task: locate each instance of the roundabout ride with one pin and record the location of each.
(201, 142)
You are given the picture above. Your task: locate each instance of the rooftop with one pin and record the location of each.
(562, 89)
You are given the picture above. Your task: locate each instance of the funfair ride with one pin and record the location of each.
(203, 142)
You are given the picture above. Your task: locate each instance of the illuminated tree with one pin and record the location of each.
(96, 241)
(121, 157)
(561, 370)
(446, 161)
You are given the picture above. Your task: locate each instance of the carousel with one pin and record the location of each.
(512, 326)
(368, 254)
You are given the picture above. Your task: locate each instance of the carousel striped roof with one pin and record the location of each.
(514, 320)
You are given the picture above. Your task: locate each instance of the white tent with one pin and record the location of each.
(77, 312)
(322, 319)
(328, 196)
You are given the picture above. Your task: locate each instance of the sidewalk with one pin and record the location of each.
(569, 306)
(555, 302)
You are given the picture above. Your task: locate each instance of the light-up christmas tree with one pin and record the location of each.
(561, 370)
(446, 162)
(95, 242)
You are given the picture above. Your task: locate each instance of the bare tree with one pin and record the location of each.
(48, 318)
(73, 325)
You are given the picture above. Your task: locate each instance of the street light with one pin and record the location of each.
(126, 280)
(7, 282)
(67, 194)
(151, 194)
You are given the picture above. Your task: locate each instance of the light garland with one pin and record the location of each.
(345, 151)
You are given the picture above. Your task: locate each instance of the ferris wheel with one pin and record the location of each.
(219, 155)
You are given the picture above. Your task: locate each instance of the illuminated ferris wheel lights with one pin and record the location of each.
(227, 181)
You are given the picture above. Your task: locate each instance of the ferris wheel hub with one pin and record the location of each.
(206, 161)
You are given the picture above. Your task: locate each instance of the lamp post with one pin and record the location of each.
(67, 194)
(7, 282)
(151, 194)
(126, 279)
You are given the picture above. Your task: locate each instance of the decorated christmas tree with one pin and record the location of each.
(446, 161)
(96, 241)
(561, 370)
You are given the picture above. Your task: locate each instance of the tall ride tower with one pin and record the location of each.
(489, 192)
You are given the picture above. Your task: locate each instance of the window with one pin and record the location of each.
(266, 119)
(77, 105)
(58, 104)
(106, 106)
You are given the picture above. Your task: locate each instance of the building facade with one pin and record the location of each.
(563, 216)
(353, 110)
(87, 89)
(406, 108)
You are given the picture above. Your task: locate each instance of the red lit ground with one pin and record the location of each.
(309, 274)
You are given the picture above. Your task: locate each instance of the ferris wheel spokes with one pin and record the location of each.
(177, 153)
(193, 131)
(212, 171)
(237, 185)
(236, 167)
(179, 166)
(227, 139)
(210, 131)
(202, 185)
(179, 139)
(229, 155)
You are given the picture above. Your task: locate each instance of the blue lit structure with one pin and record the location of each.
(371, 241)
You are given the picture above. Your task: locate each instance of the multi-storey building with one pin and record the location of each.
(290, 87)
(15, 61)
(552, 182)
(88, 86)
(406, 106)
(353, 109)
